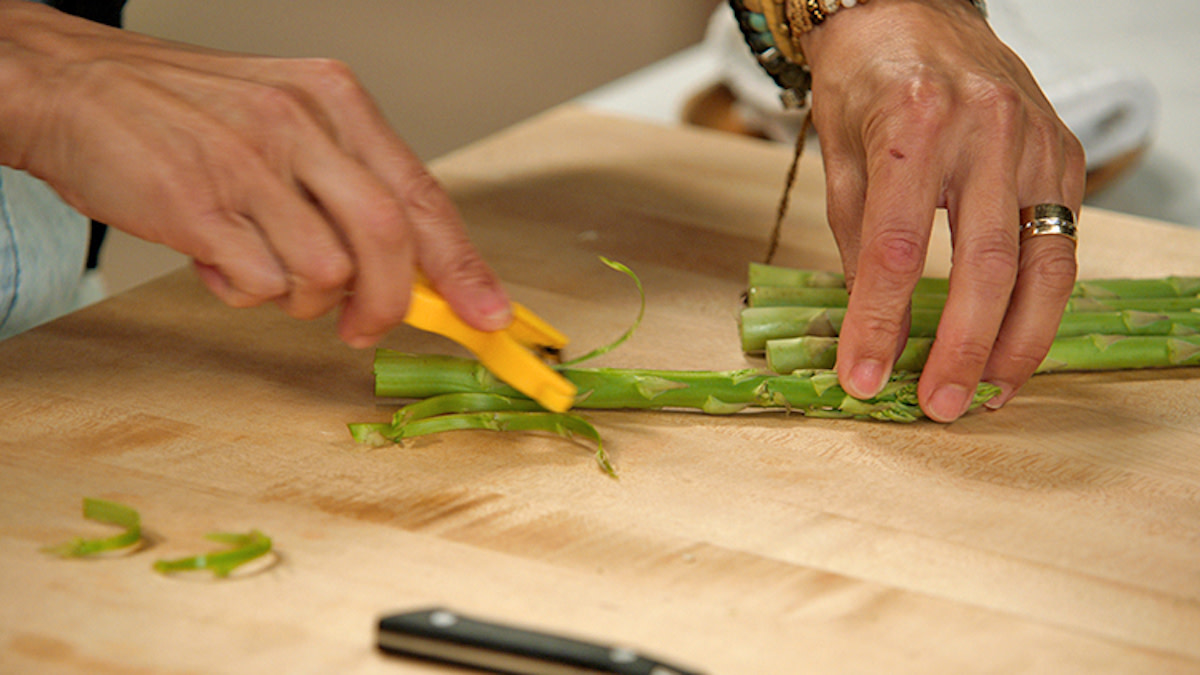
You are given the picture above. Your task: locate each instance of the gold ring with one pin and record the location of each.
(1047, 219)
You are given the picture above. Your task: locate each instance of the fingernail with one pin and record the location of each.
(495, 310)
(997, 402)
(362, 341)
(949, 403)
(867, 378)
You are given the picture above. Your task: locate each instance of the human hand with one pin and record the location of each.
(279, 177)
(918, 106)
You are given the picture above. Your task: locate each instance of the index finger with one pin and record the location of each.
(903, 183)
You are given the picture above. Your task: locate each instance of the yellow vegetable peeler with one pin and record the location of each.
(506, 353)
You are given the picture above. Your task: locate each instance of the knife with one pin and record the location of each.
(447, 636)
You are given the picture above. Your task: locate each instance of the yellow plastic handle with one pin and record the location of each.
(502, 352)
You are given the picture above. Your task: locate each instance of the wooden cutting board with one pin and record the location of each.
(1060, 534)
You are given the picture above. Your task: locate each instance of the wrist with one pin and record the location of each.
(784, 35)
(21, 80)
(874, 18)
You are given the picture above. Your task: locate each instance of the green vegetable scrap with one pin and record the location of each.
(103, 511)
(478, 410)
(243, 549)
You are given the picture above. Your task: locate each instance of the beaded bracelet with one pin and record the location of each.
(771, 28)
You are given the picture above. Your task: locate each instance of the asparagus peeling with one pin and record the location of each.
(103, 511)
(243, 548)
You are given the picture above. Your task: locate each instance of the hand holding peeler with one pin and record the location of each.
(506, 353)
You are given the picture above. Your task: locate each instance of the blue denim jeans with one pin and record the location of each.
(43, 248)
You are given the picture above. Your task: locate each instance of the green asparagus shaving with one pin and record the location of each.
(600, 351)
(102, 511)
(563, 424)
(1078, 353)
(242, 549)
(478, 410)
(1164, 287)
(412, 375)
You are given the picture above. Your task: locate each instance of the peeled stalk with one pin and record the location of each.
(1080, 353)
(1164, 287)
(760, 324)
(817, 393)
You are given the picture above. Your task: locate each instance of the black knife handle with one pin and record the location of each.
(444, 635)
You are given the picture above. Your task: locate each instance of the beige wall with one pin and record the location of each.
(445, 72)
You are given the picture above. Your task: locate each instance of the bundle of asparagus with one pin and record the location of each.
(794, 317)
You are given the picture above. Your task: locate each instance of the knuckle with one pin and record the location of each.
(1076, 158)
(972, 353)
(992, 259)
(1055, 269)
(875, 322)
(328, 271)
(927, 98)
(896, 251)
(467, 270)
(424, 198)
(330, 72)
(333, 78)
(381, 220)
(381, 316)
(277, 107)
(1021, 357)
(1002, 101)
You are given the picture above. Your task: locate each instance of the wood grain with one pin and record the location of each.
(1060, 534)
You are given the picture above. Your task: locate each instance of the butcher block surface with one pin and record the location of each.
(1059, 534)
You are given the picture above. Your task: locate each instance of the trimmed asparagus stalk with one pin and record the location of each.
(806, 296)
(816, 353)
(760, 324)
(1079, 353)
(815, 393)
(774, 275)
(1164, 287)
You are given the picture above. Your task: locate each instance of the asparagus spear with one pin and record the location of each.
(815, 393)
(1086, 352)
(1164, 287)
(760, 324)
(815, 353)
(807, 296)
